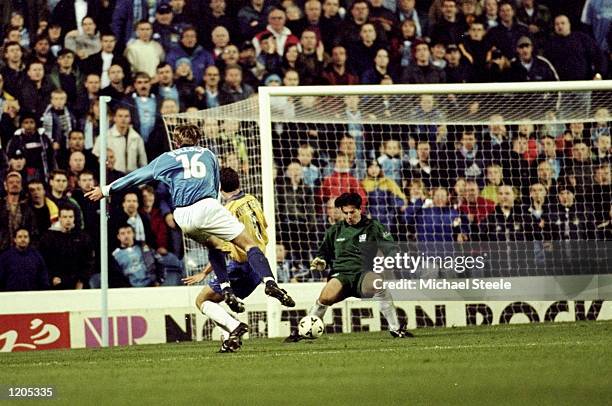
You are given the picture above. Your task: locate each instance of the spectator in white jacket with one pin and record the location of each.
(126, 143)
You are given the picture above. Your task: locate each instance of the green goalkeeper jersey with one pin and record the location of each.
(341, 244)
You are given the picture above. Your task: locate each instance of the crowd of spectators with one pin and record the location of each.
(167, 56)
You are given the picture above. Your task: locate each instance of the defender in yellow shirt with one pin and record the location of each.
(243, 279)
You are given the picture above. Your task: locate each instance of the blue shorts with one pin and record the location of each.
(243, 279)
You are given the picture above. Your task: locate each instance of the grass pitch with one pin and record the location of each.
(562, 363)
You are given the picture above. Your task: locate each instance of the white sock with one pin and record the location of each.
(224, 285)
(218, 314)
(268, 278)
(387, 308)
(318, 310)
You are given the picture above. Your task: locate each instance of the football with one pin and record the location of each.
(311, 327)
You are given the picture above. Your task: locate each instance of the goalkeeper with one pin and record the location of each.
(340, 248)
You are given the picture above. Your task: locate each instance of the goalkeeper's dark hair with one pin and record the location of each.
(230, 181)
(187, 134)
(348, 199)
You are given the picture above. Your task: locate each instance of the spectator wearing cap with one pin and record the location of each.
(188, 47)
(17, 163)
(527, 67)
(248, 60)
(36, 147)
(69, 14)
(66, 75)
(268, 58)
(276, 26)
(233, 89)
(457, 69)
(252, 18)
(144, 53)
(13, 70)
(100, 63)
(164, 30)
(85, 43)
(126, 15)
(337, 73)
(574, 54)
(450, 29)
(505, 36)
(422, 71)
(22, 268)
(15, 212)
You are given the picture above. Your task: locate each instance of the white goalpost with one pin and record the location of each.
(421, 155)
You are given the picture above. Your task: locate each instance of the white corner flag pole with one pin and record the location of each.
(103, 223)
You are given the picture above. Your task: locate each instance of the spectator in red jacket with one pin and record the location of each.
(476, 207)
(341, 181)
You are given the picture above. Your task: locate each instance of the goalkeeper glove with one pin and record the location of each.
(318, 264)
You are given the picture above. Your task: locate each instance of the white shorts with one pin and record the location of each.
(205, 218)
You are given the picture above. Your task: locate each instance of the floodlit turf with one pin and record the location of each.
(563, 363)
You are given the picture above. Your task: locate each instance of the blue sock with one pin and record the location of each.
(217, 261)
(259, 263)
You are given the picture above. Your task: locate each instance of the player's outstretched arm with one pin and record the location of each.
(137, 177)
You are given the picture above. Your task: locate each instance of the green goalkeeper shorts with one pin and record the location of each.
(351, 283)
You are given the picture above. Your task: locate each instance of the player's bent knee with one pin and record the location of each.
(326, 300)
(244, 241)
(207, 294)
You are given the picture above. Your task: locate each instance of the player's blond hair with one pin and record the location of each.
(187, 134)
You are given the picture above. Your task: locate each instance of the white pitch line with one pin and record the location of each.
(218, 357)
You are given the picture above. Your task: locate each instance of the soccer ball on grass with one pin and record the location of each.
(311, 327)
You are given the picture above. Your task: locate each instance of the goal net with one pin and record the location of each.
(521, 171)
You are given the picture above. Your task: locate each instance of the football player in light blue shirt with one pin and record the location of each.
(192, 176)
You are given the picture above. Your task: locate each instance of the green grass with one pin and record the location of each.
(562, 363)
